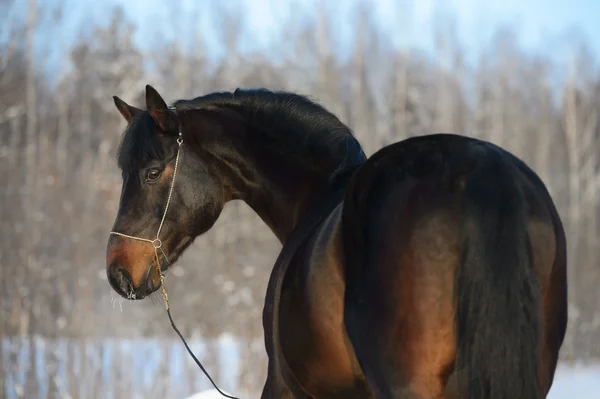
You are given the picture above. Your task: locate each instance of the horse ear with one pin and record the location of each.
(125, 109)
(157, 108)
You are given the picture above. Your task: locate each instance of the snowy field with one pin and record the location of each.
(576, 382)
(162, 369)
(571, 382)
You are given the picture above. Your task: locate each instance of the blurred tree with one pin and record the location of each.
(58, 136)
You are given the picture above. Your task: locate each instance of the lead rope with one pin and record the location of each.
(157, 245)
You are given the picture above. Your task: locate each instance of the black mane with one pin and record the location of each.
(283, 120)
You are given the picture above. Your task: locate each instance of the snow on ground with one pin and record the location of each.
(208, 394)
(579, 381)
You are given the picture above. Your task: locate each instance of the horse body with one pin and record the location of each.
(434, 269)
(400, 304)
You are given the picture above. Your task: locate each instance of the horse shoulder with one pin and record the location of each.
(316, 345)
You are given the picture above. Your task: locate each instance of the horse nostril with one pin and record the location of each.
(120, 280)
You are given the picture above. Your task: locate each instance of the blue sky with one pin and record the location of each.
(539, 23)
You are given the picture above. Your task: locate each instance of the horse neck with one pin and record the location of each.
(279, 192)
(281, 201)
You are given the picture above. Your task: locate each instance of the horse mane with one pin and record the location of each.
(282, 120)
(138, 144)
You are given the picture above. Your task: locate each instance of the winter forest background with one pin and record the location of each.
(63, 332)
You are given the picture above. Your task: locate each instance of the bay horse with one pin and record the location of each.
(436, 268)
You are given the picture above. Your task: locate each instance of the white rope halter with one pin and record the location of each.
(157, 243)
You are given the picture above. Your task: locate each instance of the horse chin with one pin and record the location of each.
(151, 281)
(149, 284)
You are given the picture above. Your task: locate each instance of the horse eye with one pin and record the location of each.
(152, 175)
